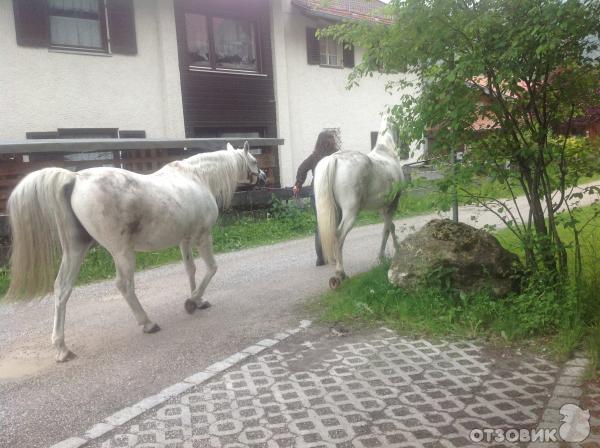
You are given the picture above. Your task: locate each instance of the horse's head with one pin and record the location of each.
(388, 140)
(388, 135)
(251, 175)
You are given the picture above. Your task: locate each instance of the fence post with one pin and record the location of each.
(454, 187)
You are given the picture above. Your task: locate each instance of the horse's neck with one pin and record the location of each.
(219, 171)
(383, 151)
(385, 145)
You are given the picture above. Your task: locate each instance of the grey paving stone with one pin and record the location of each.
(577, 362)
(123, 416)
(570, 380)
(567, 391)
(73, 442)
(558, 402)
(98, 430)
(383, 390)
(577, 371)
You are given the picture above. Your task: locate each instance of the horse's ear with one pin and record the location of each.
(246, 146)
(229, 147)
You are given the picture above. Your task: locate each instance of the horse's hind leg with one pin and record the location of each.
(389, 227)
(206, 253)
(390, 216)
(384, 238)
(74, 250)
(125, 264)
(346, 224)
(188, 261)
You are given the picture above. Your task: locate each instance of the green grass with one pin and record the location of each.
(534, 318)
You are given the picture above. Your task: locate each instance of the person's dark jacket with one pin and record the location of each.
(327, 144)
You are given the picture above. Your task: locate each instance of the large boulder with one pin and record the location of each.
(455, 255)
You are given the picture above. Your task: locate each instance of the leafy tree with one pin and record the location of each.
(506, 79)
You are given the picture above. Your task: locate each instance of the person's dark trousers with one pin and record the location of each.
(318, 248)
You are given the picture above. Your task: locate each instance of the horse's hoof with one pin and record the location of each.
(190, 306)
(154, 328)
(204, 305)
(320, 263)
(334, 282)
(65, 356)
(343, 276)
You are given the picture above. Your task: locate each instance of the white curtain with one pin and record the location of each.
(234, 40)
(197, 39)
(75, 31)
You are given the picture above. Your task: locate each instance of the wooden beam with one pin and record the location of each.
(110, 144)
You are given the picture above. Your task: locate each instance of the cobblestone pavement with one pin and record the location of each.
(373, 389)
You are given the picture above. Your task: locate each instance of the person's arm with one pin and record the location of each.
(303, 170)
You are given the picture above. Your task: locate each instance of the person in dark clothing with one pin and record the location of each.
(328, 142)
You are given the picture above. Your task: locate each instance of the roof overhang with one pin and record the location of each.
(336, 15)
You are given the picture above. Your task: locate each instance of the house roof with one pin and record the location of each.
(344, 9)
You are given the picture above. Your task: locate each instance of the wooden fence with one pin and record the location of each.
(17, 159)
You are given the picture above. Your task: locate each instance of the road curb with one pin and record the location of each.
(567, 389)
(126, 414)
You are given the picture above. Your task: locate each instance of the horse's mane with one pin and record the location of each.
(385, 137)
(218, 170)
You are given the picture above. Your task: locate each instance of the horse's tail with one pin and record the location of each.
(327, 218)
(36, 207)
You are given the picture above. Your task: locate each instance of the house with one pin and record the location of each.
(186, 68)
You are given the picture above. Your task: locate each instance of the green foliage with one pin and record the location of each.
(297, 218)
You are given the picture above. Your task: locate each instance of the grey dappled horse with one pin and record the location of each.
(125, 212)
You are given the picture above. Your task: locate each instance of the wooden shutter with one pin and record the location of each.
(313, 49)
(31, 22)
(348, 55)
(121, 26)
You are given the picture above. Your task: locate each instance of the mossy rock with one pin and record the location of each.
(457, 255)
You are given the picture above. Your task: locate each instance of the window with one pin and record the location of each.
(330, 52)
(216, 43)
(196, 28)
(76, 25)
(374, 136)
(327, 52)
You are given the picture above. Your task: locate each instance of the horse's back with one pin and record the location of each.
(120, 208)
(364, 179)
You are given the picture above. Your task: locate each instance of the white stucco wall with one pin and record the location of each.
(310, 97)
(42, 90)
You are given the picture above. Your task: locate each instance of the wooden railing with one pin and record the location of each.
(19, 158)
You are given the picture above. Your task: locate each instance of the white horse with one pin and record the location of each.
(350, 181)
(124, 212)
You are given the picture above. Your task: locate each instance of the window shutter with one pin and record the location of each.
(31, 22)
(313, 49)
(348, 55)
(121, 26)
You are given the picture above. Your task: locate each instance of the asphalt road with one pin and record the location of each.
(255, 293)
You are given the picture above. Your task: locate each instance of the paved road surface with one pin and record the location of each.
(255, 293)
